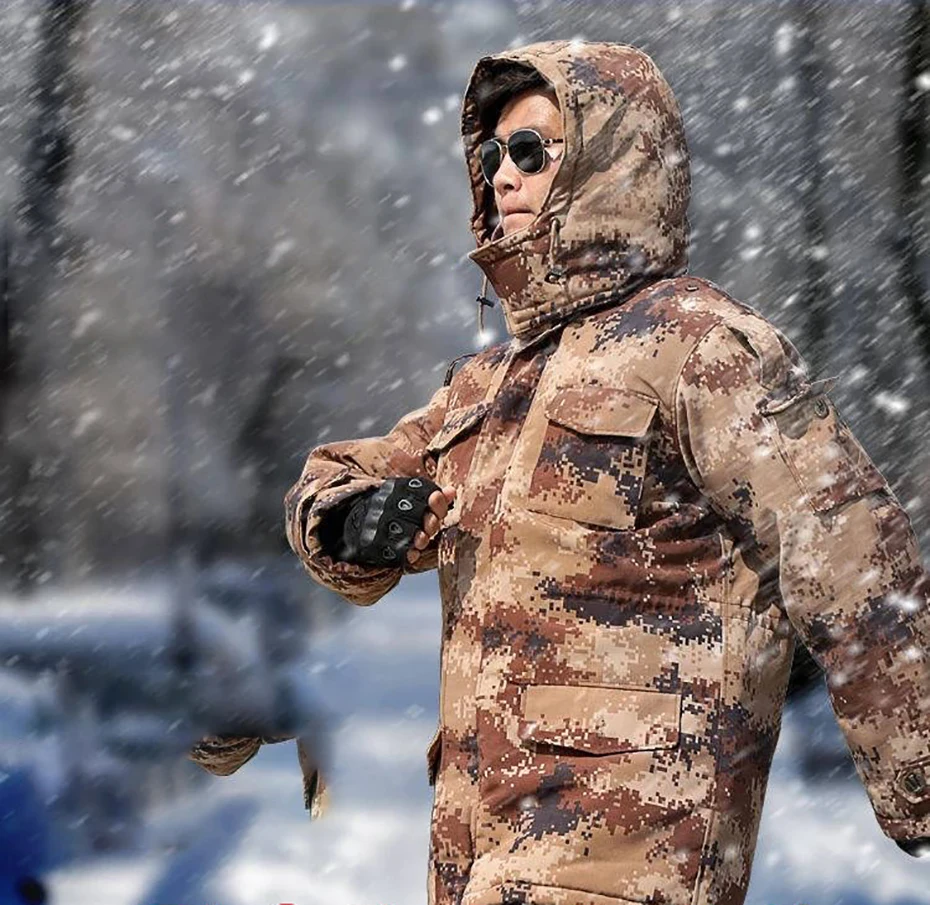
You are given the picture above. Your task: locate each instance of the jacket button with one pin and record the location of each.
(914, 782)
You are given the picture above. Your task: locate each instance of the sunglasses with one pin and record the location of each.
(527, 149)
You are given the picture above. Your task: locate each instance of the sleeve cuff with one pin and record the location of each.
(916, 848)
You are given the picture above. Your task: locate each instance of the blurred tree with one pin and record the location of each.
(33, 244)
(914, 137)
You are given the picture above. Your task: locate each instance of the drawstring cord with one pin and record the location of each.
(556, 272)
(483, 301)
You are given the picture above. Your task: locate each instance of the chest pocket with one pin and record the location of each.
(592, 460)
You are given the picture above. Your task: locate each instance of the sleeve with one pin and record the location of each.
(812, 513)
(335, 471)
(223, 755)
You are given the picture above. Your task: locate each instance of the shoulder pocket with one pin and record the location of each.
(827, 461)
(828, 464)
(592, 458)
(599, 719)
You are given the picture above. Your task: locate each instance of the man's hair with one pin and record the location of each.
(494, 94)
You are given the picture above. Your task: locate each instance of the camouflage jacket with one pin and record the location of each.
(655, 500)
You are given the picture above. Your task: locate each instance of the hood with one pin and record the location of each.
(615, 217)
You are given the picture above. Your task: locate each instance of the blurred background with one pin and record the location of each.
(234, 230)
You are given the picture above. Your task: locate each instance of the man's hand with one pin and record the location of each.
(399, 518)
(439, 501)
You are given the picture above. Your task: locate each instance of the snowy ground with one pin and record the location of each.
(246, 840)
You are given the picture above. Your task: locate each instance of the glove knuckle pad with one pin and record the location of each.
(382, 527)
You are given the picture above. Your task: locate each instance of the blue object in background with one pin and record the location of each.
(24, 838)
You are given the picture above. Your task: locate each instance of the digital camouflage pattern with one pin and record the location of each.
(222, 755)
(654, 499)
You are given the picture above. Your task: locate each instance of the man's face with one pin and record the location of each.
(519, 196)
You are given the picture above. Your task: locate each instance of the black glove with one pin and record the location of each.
(380, 524)
(916, 848)
(333, 521)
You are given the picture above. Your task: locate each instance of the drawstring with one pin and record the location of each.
(556, 272)
(483, 301)
(553, 238)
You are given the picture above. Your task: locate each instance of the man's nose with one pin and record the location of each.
(507, 177)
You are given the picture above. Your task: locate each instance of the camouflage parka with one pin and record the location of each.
(655, 500)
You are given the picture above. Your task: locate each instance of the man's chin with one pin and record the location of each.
(514, 222)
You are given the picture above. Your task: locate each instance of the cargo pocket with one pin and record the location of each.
(524, 893)
(613, 762)
(433, 755)
(600, 719)
(592, 459)
(828, 463)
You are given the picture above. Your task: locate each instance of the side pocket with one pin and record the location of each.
(599, 719)
(433, 756)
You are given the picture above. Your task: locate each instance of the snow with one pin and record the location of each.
(270, 36)
(294, 170)
(818, 843)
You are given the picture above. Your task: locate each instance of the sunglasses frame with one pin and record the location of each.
(504, 150)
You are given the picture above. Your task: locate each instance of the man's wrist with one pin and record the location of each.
(332, 524)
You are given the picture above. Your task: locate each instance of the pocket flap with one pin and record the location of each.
(601, 410)
(600, 719)
(778, 402)
(458, 422)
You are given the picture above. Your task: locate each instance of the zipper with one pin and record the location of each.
(497, 379)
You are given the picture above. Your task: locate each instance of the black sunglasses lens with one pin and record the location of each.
(527, 151)
(490, 158)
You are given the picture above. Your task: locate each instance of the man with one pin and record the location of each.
(636, 504)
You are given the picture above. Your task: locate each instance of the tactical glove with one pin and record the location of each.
(380, 524)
